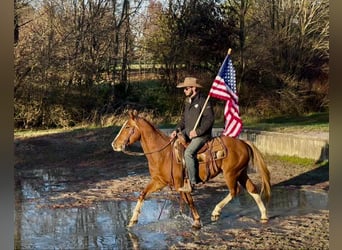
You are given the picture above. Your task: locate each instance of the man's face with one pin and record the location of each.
(188, 91)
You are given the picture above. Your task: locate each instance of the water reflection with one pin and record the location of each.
(103, 224)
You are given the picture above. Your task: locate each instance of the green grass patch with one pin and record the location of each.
(70, 132)
(39, 132)
(305, 162)
(315, 122)
(305, 119)
(305, 122)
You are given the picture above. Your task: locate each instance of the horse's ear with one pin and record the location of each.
(133, 114)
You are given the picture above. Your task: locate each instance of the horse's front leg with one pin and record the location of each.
(151, 187)
(195, 215)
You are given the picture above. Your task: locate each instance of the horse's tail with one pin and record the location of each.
(259, 162)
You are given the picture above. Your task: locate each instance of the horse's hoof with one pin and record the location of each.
(264, 221)
(215, 217)
(196, 225)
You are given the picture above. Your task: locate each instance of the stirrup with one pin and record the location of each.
(186, 187)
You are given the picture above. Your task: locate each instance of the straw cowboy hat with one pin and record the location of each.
(189, 82)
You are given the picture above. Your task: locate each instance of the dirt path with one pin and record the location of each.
(99, 174)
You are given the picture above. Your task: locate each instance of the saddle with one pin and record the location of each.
(209, 155)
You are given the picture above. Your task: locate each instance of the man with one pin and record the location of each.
(197, 137)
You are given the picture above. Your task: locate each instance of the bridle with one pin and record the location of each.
(125, 144)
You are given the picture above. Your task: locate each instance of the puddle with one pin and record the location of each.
(103, 225)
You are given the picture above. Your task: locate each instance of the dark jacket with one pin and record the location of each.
(191, 113)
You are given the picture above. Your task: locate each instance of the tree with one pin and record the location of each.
(188, 37)
(64, 50)
(240, 11)
(287, 49)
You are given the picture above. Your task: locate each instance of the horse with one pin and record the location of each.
(166, 170)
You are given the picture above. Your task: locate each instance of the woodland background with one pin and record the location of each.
(86, 61)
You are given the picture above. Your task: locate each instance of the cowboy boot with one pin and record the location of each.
(186, 187)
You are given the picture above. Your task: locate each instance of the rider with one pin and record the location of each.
(198, 136)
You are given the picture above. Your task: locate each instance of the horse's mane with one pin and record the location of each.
(162, 134)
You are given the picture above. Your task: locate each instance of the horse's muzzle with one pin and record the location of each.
(117, 148)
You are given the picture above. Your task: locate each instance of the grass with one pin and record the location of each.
(304, 162)
(72, 131)
(318, 122)
(41, 132)
(34, 133)
(315, 122)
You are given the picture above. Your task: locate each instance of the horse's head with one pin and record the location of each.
(128, 134)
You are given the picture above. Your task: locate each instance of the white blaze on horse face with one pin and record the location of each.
(114, 146)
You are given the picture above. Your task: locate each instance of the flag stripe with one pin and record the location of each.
(220, 90)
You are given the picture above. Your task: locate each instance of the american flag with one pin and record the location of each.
(224, 88)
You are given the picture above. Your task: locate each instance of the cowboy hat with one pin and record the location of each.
(189, 82)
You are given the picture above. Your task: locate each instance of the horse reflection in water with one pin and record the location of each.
(166, 170)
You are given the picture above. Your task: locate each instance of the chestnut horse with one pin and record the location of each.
(165, 170)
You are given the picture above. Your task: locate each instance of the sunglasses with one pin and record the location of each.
(187, 88)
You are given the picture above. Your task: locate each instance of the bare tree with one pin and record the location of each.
(288, 49)
(241, 10)
(68, 47)
(299, 31)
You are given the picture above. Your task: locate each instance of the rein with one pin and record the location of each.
(141, 153)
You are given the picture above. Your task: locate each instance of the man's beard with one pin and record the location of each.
(190, 93)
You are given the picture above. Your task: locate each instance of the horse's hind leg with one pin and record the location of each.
(151, 187)
(261, 206)
(253, 191)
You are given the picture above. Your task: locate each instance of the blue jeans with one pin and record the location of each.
(190, 156)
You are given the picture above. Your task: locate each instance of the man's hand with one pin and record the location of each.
(193, 134)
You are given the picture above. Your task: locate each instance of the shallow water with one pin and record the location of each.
(103, 225)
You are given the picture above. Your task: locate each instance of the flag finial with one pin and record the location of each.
(229, 51)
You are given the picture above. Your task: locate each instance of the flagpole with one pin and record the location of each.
(206, 101)
(200, 115)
